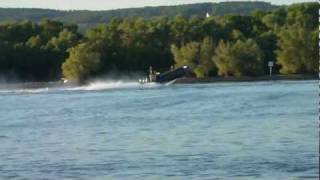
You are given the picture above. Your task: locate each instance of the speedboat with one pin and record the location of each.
(167, 78)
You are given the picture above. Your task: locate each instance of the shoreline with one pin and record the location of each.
(246, 79)
(186, 80)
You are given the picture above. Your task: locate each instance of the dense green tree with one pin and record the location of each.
(187, 55)
(243, 24)
(206, 67)
(275, 19)
(211, 27)
(239, 59)
(178, 29)
(268, 43)
(304, 14)
(298, 52)
(34, 42)
(223, 58)
(63, 41)
(197, 56)
(32, 52)
(82, 62)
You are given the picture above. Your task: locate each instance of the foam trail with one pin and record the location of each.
(104, 85)
(93, 86)
(22, 91)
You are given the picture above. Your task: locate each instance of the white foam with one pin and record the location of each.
(22, 91)
(101, 85)
(93, 86)
(104, 85)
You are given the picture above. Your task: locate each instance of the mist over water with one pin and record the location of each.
(119, 130)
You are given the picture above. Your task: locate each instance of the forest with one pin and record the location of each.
(86, 17)
(219, 45)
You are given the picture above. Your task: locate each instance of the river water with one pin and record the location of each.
(119, 130)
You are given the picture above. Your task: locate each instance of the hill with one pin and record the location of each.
(89, 18)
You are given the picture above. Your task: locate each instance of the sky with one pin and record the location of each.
(110, 4)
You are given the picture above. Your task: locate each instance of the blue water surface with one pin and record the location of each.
(121, 131)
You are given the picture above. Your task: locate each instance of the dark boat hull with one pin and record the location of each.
(172, 75)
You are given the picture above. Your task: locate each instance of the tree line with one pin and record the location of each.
(229, 45)
(88, 18)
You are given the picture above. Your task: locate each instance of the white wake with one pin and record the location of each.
(93, 86)
(104, 85)
(25, 91)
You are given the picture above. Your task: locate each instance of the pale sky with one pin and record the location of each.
(110, 4)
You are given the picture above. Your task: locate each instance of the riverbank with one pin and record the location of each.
(246, 79)
(59, 84)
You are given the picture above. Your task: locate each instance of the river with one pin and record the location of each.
(122, 131)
